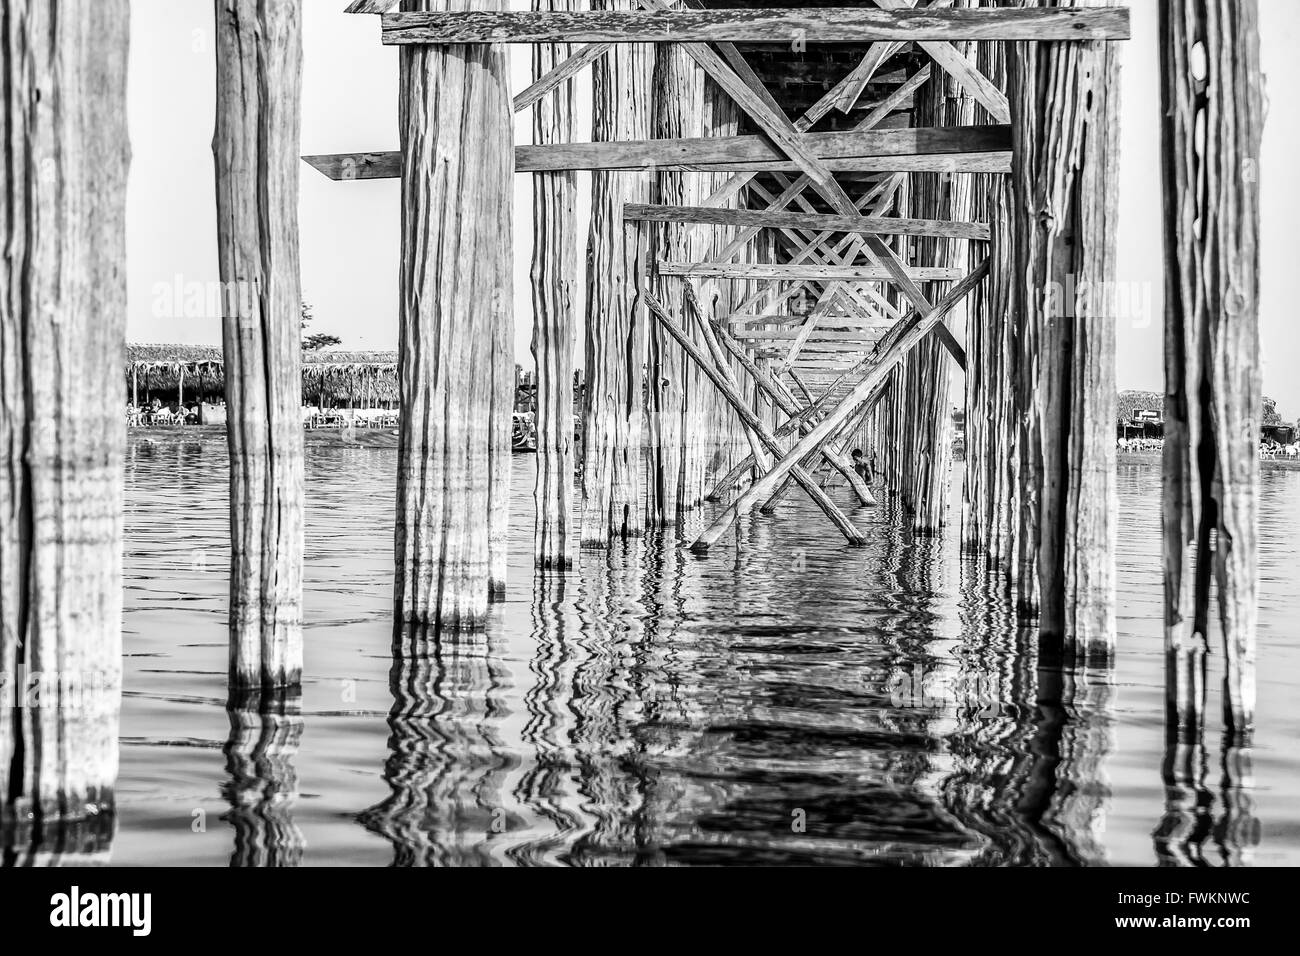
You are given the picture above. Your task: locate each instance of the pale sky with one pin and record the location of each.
(350, 234)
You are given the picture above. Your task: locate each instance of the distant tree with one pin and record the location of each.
(1133, 399)
(316, 340)
(1270, 415)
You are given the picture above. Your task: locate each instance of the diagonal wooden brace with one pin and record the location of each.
(822, 432)
(806, 481)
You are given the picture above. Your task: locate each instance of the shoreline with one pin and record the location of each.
(387, 438)
(1154, 457)
(144, 436)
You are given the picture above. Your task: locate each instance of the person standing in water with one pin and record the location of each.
(862, 466)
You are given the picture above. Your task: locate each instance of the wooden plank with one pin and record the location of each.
(812, 348)
(812, 25)
(769, 219)
(956, 149)
(371, 6)
(388, 164)
(822, 334)
(715, 150)
(344, 166)
(785, 272)
(746, 319)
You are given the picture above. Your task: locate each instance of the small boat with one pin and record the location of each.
(523, 431)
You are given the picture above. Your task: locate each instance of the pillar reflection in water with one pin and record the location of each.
(1189, 833)
(549, 787)
(1031, 742)
(610, 698)
(262, 783)
(447, 762)
(1198, 829)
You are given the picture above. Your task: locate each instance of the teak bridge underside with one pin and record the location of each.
(795, 213)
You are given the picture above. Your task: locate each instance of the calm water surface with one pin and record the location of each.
(787, 701)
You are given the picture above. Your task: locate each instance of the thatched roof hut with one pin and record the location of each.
(334, 373)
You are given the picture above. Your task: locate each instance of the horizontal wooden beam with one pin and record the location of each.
(811, 345)
(767, 219)
(818, 335)
(784, 26)
(854, 332)
(716, 150)
(811, 348)
(802, 271)
(985, 149)
(386, 164)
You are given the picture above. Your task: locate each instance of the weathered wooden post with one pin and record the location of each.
(457, 170)
(991, 448)
(255, 148)
(614, 349)
(1064, 107)
(678, 104)
(1212, 122)
(555, 278)
(62, 334)
(923, 397)
(502, 400)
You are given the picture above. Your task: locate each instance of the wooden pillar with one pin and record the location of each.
(947, 196)
(457, 170)
(62, 335)
(614, 348)
(991, 446)
(135, 386)
(555, 278)
(256, 149)
(674, 397)
(720, 433)
(1064, 108)
(502, 399)
(180, 388)
(1212, 123)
